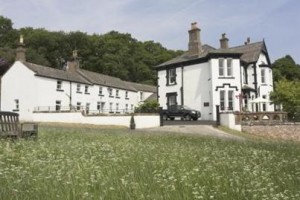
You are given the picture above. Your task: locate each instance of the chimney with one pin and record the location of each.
(21, 50)
(195, 47)
(73, 64)
(224, 41)
(247, 41)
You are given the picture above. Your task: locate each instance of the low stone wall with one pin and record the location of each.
(141, 120)
(283, 131)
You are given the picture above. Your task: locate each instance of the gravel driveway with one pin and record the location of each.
(204, 130)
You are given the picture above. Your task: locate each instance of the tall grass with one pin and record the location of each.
(68, 163)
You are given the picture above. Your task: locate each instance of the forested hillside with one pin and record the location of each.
(113, 53)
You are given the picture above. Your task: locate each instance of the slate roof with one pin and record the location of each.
(142, 87)
(152, 97)
(55, 73)
(249, 53)
(185, 57)
(101, 79)
(88, 77)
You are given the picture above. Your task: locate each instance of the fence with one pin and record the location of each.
(82, 109)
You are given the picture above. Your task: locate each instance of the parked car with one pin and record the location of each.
(184, 112)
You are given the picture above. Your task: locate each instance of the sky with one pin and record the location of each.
(168, 21)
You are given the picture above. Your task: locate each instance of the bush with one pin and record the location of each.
(148, 107)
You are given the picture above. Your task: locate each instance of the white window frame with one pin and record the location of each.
(59, 85)
(100, 90)
(86, 89)
(78, 88)
(222, 100)
(229, 67)
(263, 75)
(78, 106)
(221, 67)
(230, 97)
(171, 76)
(57, 105)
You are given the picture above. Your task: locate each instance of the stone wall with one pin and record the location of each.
(284, 131)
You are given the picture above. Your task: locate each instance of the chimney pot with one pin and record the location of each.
(224, 41)
(73, 64)
(21, 51)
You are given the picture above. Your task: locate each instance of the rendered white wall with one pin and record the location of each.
(141, 121)
(228, 120)
(19, 83)
(197, 88)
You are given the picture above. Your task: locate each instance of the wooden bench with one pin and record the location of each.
(11, 128)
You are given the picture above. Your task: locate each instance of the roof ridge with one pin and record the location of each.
(245, 45)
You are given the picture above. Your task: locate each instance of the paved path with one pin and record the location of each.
(205, 130)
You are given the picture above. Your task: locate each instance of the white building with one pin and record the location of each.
(28, 88)
(236, 78)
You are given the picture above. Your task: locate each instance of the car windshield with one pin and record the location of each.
(186, 107)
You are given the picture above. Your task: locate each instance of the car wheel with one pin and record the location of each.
(188, 117)
(172, 118)
(195, 119)
(165, 117)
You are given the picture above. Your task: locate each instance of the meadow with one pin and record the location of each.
(116, 163)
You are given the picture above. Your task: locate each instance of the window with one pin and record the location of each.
(132, 108)
(100, 91)
(78, 106)
(110, 107)
(78, 88)
(86, 89)
(57, 105)
(100, 106)
(245, 75)
(126, 95)
(16, 105)
(126, 107)
(229, 67)
(230, 100)
(117, 94)
(263, 75)
(110, 92)
(117, 107)
(221, 67)
(222, 100)
(171, 76)
(59, 86)
(87, 108)
(171, 99)
(141, 96)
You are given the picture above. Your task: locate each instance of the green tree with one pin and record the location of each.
(287, 93)
(286, 68)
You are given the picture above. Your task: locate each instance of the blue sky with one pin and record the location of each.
(167, 21)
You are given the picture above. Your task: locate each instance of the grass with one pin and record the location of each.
(94, 163)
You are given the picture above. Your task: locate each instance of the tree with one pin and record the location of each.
(286, 68)
(287, 93)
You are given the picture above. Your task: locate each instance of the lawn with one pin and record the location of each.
(93, 163)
